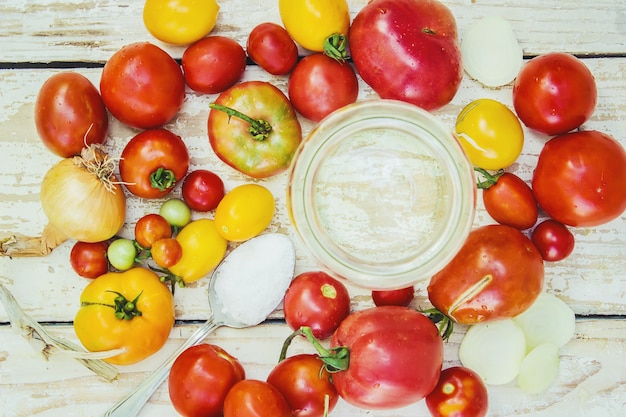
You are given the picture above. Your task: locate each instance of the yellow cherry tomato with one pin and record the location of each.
(244, 212)
(133, 310)
(490, 133)
(310, 22)
(203, 249)
(180, 22)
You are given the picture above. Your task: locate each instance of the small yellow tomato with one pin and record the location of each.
(203, 249)
(244, 212)
(490, 133)
(310, 22)
(180, 22)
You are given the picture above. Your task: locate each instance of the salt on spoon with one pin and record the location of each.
(244, 289)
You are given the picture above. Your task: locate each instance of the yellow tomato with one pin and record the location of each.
(180, 22)
(244, 212)
(310, 22)
(133, 310)
(203, 250)
(490, 133)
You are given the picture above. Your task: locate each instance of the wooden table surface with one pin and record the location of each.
(42, 37)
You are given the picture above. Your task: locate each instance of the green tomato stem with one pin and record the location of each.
(162, 179)
(490, 179)
(335, 46)
(259, 129)
(443, 322)
(124, 309)
(335, 360)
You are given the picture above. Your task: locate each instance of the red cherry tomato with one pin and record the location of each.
(166, 252)
(400, 297)
(200, 379)
(70, 114)
(213, 64)
(304, 382)
(554, 240)
(554, 93)
(89, 260)
(318, 85)
(153, 162)
(270, 46)
(142, 86)
(150, 228)
(254, 398)
(460, 392)
(202, 190)
(316, 300)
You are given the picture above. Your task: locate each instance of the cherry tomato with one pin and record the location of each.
(176, 212)
(271, 47)
(554, 93)
(153, 162)
(89, 259)
(254, 398)
(166, 252)
(498, 273)
(142, 86)
(490, 134)
(180, 22)
(509, 200)
(200, 379)
(400, 297)
(580, 178)
(213, 64)
(121, 253)
(70, 114)
(554, 240)
(460, 392)
(317, 300)
(202, 190)
(318, 85)
(244, 212)
(150, 228)
(304, 382)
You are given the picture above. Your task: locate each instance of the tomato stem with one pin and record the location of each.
(335, 359)
(335, 46)
(443, 322)
(162, 179)
(490, 179)
(124, 309)
(259, 129)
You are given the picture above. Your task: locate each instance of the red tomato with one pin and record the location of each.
(460, 392)
(270, 46)
(166, 252)
(554, 240)
(304, 382)
(142, 86)
(509, 200)
(580, 178)
(153, 162)
(318, 85)
(316, 300)
(213, 64)
(498, 273)
(202, 190)
(400, 297)
(150, 228)
(70, 114)
(200, 380)
(89, 260)
(554, 93)
(396, 355)
(253, 398)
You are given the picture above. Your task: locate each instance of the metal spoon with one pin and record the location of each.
(276, 255)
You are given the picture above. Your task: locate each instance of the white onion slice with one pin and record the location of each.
(494, 350)
(539, 369)
(548, 320)
(490, 51)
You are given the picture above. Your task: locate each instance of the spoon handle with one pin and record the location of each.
(134, 401)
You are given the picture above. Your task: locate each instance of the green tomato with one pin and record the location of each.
(122, 253)
(176, 212)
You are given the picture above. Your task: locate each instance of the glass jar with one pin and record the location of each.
(381, 194)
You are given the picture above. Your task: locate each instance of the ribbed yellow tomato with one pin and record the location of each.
(244, 212)
(490, 133)
(180, 22)
(310, 22)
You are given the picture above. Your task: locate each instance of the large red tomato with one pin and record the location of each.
(580, 178)
(408, 50)
(554, 93)
(498, 273)
(70, 114)
(460, 392)
(142, 86)
(153, 162)
(200, 379)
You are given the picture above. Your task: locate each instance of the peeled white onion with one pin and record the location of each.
(539, 369)
(490, 51)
